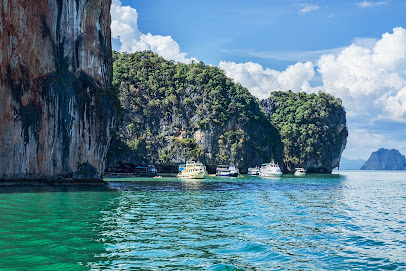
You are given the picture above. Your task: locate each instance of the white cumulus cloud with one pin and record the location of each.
(370, 82)
(369, 76)
(306, 8)
(262, 81)
(397, 104)
(369, 4)
(124, 28)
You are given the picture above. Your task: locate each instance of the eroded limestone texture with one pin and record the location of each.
(56, 112)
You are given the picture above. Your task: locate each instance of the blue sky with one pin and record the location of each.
(355, 50)
(229, 30)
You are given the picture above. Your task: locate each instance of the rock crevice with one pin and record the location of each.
(56, 74)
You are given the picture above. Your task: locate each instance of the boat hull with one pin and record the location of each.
(227, 175)
(265, 175)
(153, 174)
(192, 175)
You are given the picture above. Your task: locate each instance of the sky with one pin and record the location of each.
(352, 49)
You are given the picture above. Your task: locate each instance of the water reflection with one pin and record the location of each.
(147, 229)
(200, 224)
(348, 221)
(192, 185)
(50, 228)
(375, 215)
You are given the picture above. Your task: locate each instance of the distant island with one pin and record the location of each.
(385, 159)
(348, 164)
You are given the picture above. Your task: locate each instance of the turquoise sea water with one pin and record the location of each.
(351, 220)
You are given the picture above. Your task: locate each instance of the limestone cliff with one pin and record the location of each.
(175, 112)
(313, 129)
(55, 82)
(385, 159)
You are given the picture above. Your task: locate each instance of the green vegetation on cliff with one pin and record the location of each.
(148, 84)
(312, 128)
(178, 111)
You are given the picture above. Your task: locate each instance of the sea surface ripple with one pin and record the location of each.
(351, 220)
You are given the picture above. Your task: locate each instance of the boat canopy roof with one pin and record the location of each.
(224, 167)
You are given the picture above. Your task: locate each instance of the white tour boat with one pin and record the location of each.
(192, 170)
(227, 171)
(253, 170)
(270, 170)
(145, 171)
(300, 171)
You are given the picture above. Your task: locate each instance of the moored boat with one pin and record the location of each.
(300, 171)
(227, 171)
(192, 170)
(253, 171)
(145, 171)
(271, 169)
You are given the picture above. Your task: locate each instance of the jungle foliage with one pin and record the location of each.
(175, 110)
(312, 126)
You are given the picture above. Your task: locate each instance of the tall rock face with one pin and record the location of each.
(56, 112)
(175, 112)
(312, 127)
(385, 159)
